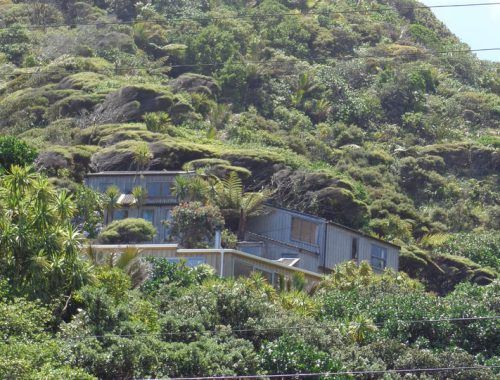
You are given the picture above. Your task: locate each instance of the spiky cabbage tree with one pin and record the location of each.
(39, 247)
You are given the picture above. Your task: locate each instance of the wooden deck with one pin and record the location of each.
(226, 262)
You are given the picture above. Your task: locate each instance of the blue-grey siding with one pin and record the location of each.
(126, 181)
(274, 230)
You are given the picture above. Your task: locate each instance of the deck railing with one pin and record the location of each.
(226, 262)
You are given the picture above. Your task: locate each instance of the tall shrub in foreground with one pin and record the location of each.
(39, 247)
(194, 224)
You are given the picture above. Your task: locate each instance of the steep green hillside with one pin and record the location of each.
(369, 113)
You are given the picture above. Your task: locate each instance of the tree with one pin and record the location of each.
(89, 210)
(39, 247)
(194, 224)
(15, 152)
(130, 230)
(111, 202)
(142, 156)
(140, 194)
(190, 189)
(236, 204)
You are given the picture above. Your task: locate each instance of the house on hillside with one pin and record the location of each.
(313, 243)
(158, 200)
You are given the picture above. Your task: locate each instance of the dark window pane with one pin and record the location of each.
(120, 214)
(165, 189)
(154, 189)
(378, 256)
(148, 215)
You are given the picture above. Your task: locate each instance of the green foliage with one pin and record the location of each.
(194, 224)
(39, 245)
(15, 152)
(130, 230)
(14, 43)
(398, 142)
(89, 210)
(157, 122)
(292, 355)
(481, 247)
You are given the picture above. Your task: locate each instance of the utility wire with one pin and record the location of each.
(39, 69)
(270, 329)
(329, 374)
(255, 16)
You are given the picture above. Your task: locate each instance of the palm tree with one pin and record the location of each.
(236, 204)
(129, 260)
(191, 189)
(111, 197)
(142, 156)
(140, 194)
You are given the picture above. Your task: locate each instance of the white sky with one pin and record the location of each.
(479, 26)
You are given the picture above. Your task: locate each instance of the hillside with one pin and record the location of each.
(371, 114)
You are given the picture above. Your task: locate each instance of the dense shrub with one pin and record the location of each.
(195, 224)
(481, 247)
(130, 230)
(15, 152)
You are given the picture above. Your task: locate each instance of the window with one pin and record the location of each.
(154, 189)
(120, 214)
(148, 215)
(103, 187)
(379, 257)
(289, 255)
(304, 231)
(158, 189)
(354, 249)
(190, 262)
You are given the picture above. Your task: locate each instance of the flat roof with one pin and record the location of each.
(142, 173)
(333, 224)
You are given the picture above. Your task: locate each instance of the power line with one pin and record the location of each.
(39, 69)
(253, 16)
(269, 329)
(338, 373)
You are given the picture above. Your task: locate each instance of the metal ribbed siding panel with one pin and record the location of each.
(338, 245)
(277, 226)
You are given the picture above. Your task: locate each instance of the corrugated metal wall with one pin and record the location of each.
(274, 230)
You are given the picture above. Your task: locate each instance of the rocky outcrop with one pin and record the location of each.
(131, 102)
(320, 194)
(191, 82)
(466, 159)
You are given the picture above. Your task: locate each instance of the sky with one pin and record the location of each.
(478, 26)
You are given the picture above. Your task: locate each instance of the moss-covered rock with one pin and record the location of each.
(75, 160)
(131, 102)
(217, 167)
(321, 194)
(465, 158)
(192, 82)
(440, 272)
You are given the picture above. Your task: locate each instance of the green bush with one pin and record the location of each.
(15, 152)
(130, 230)
(481, 247)
(194, 224)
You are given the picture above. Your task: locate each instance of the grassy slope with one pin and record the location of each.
(403, 147)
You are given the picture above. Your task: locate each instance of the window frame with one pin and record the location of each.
(124, 211)
(164, 189)
(152, 210)
(301, 222)
(381, 259)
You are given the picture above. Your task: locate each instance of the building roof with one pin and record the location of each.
(318, 218)
(126, 199)
(140, 173)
